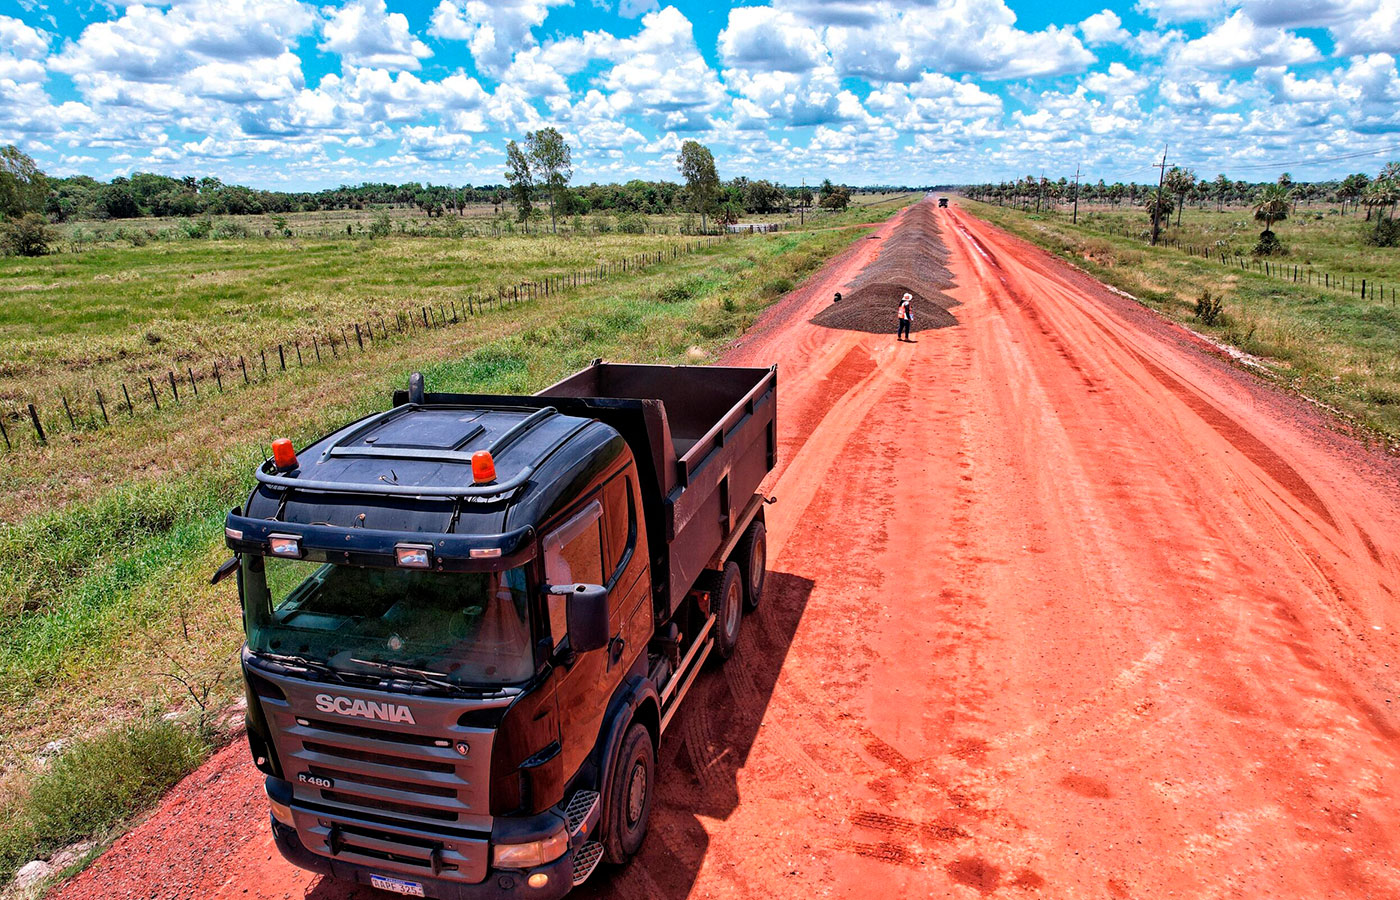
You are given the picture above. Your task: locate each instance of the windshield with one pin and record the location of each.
(469, 628)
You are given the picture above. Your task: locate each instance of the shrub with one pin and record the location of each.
(632, 223)
(1269, 245)
(1209, 309)
(381, 226)
(197, 229)
(29, 235)
(680, 291)
(230, 230)
(1385, 234)
(774, 287)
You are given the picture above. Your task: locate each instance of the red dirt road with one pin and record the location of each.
(1061, 605)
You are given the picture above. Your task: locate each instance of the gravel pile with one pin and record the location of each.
(911, 260)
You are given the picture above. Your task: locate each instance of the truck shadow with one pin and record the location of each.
(702, 752)
(704, 748)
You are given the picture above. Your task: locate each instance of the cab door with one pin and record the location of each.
(573, 554)
(601, 542)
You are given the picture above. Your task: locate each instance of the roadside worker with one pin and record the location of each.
(906, 318)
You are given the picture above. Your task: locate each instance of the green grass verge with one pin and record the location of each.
(1327, 344)
(95, 784)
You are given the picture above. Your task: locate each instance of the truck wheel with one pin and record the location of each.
(629, 796)
(727, 601)
(752, 555)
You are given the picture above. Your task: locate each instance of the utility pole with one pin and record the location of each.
(801, 205)
(1076, 196)
(1157, 200)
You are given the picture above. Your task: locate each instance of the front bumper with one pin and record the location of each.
(499, 884)
(348, 857)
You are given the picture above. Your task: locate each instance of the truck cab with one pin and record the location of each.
(470, 619)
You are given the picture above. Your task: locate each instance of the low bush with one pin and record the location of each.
(197, 229)
(680, 291)
(631, 223)
(1209, 308)
(775, 287)
(231, 230)
(1385, 233)
(29, 235)
(1269, 245)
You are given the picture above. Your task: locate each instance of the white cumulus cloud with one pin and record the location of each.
(365, 33)
(1239, 43)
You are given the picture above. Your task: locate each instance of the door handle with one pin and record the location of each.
(615, 647)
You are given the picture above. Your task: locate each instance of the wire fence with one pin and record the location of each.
(36, 422)
(1365, 288)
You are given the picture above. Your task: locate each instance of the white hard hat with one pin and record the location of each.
(908, 296)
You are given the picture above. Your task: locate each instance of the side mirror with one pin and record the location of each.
(587, 613)
(228, 568)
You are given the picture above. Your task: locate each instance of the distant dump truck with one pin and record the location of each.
(942, 201)
(470, 620)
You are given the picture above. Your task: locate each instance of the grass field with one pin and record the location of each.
(476, 220)
(1320, 237)
(105, 608)
(1326, 343)
(75, 322)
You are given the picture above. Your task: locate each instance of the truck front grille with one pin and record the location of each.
(404, 774)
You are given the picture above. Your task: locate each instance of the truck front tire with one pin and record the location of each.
(629, 796)
(752, 556)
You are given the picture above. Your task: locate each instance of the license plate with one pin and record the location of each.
(395, 886)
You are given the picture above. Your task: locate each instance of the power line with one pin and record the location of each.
(1307, 162)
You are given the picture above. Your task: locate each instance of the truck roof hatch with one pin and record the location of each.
(426, 451)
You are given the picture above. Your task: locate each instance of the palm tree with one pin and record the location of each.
(1271, 206)
(1222, 191)
(1158, 204)
(1179, 183)
(1379, 194)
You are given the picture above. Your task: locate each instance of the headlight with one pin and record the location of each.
(535, 853)
(282, 813)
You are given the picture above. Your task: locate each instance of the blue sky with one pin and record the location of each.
(288, 94)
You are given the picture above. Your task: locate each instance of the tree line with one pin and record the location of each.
(540, 171)
(1271, 201)
(543, 167)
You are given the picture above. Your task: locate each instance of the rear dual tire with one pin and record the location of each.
(752, 556)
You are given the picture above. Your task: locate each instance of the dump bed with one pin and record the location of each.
(704, 437)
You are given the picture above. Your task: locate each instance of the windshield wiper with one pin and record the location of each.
(436, 679)
(301, 662)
